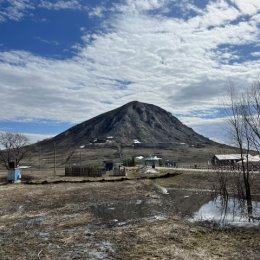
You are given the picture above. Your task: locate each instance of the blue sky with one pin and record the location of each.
(63, 62)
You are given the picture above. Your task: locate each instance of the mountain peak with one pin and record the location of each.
(135, 104)
(135, 120)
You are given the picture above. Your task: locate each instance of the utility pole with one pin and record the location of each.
(54, 159)
(80, 159)
(40, 158)
(120, 151)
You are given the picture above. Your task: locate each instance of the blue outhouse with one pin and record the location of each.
(14, 175)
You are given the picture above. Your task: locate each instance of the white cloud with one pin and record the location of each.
(255, 54)
(60, 4)
(140, 6)
(33, 138)
(46, 41)
(217, 129)
(248, 7)
(14, 9)
(194, 121)
(97, 11)
(174, 63)
(218, 13)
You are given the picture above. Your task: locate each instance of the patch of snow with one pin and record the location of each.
(162, 189)
(24, 167)
(160, 217)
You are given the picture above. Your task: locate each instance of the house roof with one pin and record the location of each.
(252, 159)
(152, 158)
(223, 157)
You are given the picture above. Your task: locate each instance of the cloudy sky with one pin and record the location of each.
(65, 61)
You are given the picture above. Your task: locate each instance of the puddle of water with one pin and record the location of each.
(184, 203)
(191, 205)
(123, 211)
(231, 213)
(174, 202)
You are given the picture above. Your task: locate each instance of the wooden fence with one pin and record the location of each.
(84, 171)
(119, 171)
(192, 166)
(204, 166)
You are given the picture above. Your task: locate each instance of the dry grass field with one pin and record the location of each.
(130, 219)
(96, 154)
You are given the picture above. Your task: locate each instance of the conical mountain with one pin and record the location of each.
(146, 123)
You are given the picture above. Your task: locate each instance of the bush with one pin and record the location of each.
(129, 162)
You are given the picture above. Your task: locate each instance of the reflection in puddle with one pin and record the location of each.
(184, 203)
(232, 212)
(194, 206)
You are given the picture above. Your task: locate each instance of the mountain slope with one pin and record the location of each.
(135, 120)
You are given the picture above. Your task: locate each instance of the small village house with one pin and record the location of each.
(152, 161)
(252, 161)
(234, 160)
(139, 160)
(225, 160)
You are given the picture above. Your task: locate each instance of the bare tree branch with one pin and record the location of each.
(13, 148)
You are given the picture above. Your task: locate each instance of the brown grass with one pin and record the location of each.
(58, 222)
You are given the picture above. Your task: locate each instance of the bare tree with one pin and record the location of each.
(244, 125)
(13, 147)
(251, 113)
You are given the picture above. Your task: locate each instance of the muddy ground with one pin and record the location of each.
(118, 220)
